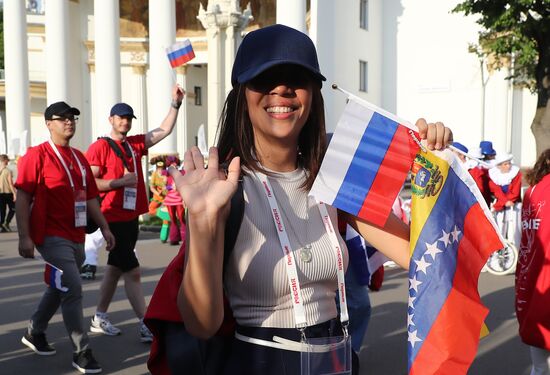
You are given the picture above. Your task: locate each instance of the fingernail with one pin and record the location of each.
(437, 146)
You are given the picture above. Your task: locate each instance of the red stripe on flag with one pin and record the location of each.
(182, 59)
(452, 343)
(390, 177)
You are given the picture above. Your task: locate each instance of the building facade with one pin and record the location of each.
(409, 57)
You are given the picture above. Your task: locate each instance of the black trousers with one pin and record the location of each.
(6, 201)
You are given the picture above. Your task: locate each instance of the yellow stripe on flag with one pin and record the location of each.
(484, 331)
(429, 173)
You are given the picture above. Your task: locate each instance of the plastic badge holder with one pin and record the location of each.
(327, 356)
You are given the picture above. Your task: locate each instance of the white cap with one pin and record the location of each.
(503, 157)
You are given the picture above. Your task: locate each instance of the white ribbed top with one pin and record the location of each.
(256, 280)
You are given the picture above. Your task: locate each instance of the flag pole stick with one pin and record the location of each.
(483, 163)
(174, 75)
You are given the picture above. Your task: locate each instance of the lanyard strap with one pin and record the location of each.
(82, 170)
(290, 264)
(133, 157)
(344, 317)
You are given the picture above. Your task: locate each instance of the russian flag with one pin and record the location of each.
(366, 163)
(52, 277)
(452, 235)
(180, 53)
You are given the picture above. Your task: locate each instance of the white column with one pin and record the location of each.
(57, 50)
(107, 62)
(215, 84)
(292, 13)
(139, 99)
(17, 75)
(182, 117)
(162, 33)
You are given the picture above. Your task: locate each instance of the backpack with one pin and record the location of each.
(190, 355)
(91, 225)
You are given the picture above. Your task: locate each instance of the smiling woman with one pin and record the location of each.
(272, 135)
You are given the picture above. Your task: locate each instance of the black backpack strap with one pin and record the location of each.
(234, 221)
(116, 150)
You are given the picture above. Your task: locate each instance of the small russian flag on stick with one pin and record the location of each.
(52, 277)
(180, 53)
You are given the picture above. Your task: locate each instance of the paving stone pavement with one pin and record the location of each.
(383, 352)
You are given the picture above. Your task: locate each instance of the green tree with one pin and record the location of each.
(517, 35)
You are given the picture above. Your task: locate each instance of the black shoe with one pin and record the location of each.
(87, 272)
(6, 226)
(85, 362)
(38, 343)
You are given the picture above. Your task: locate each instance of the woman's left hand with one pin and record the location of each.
(437, 135)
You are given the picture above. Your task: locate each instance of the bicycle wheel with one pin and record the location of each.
(503, 262)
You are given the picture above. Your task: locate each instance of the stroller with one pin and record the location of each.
(503, 261)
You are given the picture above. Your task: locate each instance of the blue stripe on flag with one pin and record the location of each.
(365, 163)
(180, 52)
(434, 290)
(53, 271)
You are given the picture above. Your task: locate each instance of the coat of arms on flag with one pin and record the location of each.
(52, 277)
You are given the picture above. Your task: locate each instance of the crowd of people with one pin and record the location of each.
(500, 183)
(55, 225)
(234, 269)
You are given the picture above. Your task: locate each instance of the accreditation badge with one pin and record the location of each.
(80, 215)
(130, 197)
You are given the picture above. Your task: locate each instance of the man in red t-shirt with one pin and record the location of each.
(116, 166)
(58, 181)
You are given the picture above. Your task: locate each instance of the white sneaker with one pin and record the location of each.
(103, 325)
(145, 334)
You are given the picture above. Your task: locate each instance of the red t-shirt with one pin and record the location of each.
(41, 174)
(533, 269)
(101, 155)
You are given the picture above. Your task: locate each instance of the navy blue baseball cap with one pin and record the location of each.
(122, 109)
(270, 46)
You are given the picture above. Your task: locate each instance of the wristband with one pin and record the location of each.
(175, 104)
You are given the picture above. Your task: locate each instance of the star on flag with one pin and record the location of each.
(422, 265)
(432, 249)
(413, 338)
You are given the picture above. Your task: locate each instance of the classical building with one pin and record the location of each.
(409, 57)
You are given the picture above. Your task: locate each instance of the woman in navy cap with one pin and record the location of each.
(281, 276)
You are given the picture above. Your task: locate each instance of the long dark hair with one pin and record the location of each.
(540, 169)
(236, 134)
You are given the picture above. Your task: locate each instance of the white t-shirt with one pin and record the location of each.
(256, 281)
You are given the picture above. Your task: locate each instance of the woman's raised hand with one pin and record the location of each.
(437, 135)
(205, 191)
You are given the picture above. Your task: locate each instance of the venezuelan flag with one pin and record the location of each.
(452, 235)
(366, 163)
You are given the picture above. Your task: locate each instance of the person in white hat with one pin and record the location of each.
(505, 184)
